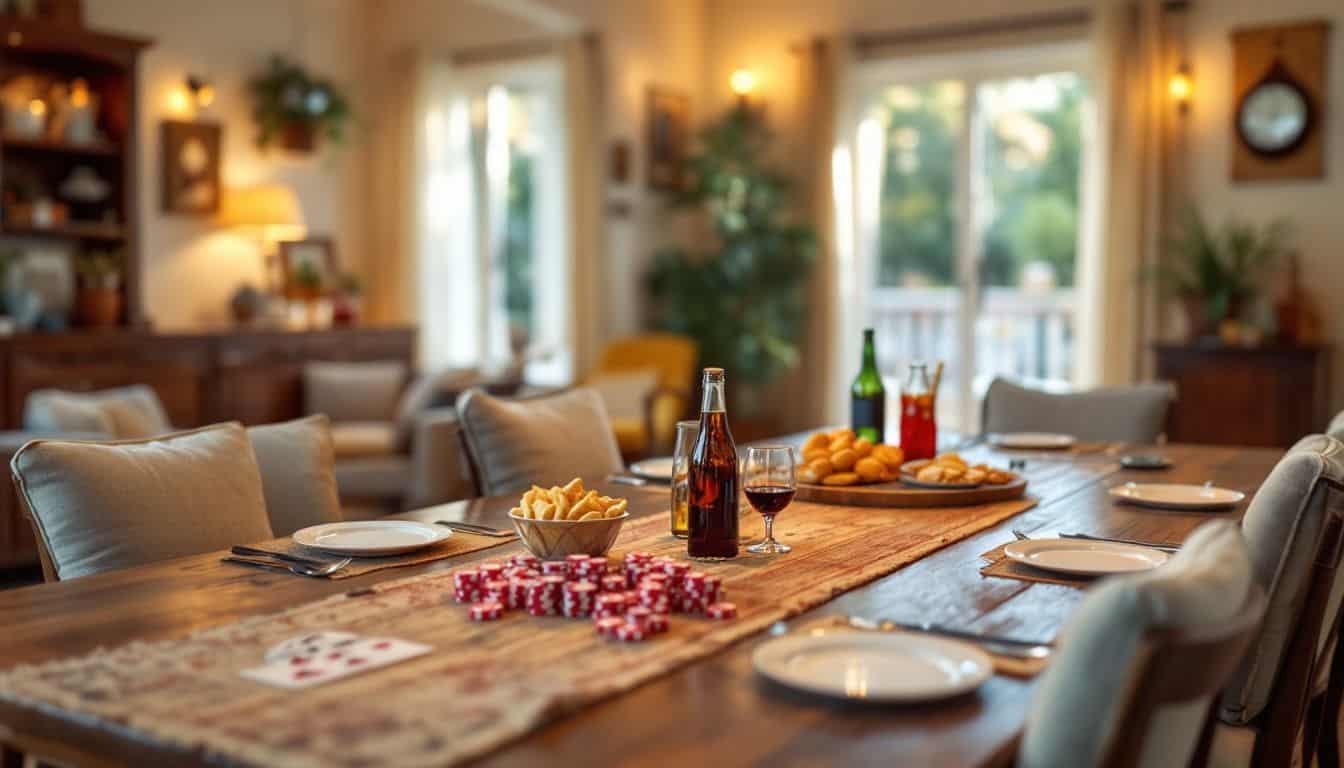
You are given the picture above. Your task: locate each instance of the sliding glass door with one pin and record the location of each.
(966, 188)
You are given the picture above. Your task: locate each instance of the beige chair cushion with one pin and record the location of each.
(296, 462)
(431, 390)
(1134, 414)
(124, 413)
(624, 392)
(355, 439)
(374, 477)
(103, 506)
(545, 440)
(1282, 525)
(1077, 705)
(354, 391)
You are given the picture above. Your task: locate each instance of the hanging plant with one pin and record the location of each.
(294, 109)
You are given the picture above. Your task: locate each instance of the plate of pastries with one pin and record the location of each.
(839, 458)
(950, 471)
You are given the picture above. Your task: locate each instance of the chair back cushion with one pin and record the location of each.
(624, 392)
(354, 391)
(123, 413)
(431, 390)
(544, 440)
(296, 460)
(1336, 426)
(102, 506)
(671, 354)
(1084, 691)
(1130, 414)
(1283, 527)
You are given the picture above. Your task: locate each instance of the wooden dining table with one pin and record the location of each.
(713, 711)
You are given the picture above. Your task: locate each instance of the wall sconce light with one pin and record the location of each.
(1180, 87)
(743, 82)
(202, 92)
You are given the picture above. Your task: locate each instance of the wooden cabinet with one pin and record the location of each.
(1267, 396)
(255, 377)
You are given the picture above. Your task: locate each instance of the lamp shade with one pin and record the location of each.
(263, 207)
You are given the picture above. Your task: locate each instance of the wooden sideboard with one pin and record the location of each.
(1264, 396)
(255, 377)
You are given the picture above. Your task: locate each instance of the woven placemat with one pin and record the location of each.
(458, 544)
(1000, 566)
(485, 684)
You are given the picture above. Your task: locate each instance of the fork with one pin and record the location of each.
(479, 530)
(295, 568)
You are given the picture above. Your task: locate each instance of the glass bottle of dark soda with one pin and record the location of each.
(713, 478)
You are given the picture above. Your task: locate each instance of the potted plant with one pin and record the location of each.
(347, 303)
(305, 283)
(743, 299)
(295, 109)
(1217, 274)
(99, 300)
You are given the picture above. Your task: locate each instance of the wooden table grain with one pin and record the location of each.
(715, 711)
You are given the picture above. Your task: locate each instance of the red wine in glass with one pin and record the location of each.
(769, 485)
(770, 499)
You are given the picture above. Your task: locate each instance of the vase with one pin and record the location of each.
(299, 137)
(99, 307)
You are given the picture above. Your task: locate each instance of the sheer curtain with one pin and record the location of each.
(1125, 183)
(469, 112)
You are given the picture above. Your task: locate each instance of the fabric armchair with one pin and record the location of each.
(645, 382)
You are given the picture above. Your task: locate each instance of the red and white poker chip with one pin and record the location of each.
(607, 625)
(488, 611)
(629, 633)
(721, 611)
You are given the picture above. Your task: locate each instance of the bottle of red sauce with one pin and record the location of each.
(919, 431)
(713, 478)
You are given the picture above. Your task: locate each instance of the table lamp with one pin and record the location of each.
(270, 211)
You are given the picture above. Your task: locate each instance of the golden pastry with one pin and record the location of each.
(841, 478)
(870, 469)
(844, 459)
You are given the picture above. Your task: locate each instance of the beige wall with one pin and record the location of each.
(1315, 207)
(190, 266)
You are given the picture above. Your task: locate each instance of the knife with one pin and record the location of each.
(1149, 544)
(1003, 646)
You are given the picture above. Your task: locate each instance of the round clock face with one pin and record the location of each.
(1273, 117)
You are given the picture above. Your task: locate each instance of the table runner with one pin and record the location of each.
(458, 544)
(485, 684)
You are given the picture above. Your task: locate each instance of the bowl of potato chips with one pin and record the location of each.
(950, 470)
(838, 457)
(568, 520)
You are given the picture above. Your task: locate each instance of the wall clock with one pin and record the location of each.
(1278, 101)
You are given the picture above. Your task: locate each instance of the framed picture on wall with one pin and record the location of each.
(668, 117)
(310, 267)
(190, 167)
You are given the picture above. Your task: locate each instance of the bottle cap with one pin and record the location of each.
(713, 371)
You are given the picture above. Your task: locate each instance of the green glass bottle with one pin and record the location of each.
(868, 398)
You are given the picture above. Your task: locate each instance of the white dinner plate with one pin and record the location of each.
(1084, 558)
(1176, 495)
(1032, 440)
(658, 468)
(874, 666)
(371, 538)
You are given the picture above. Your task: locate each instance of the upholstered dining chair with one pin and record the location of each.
(100, 506)
(645, 382)
(546, 440)
(1294, 528)
(1139, 666)
(1135, 414)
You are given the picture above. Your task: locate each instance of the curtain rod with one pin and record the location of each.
(1066, 18)
(514, 50)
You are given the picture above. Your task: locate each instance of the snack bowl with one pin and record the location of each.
(557, 539)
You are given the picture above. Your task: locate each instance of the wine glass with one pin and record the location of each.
(769, 484)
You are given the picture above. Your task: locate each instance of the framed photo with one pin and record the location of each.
(310, 267)
(669, 118)
(190, 167)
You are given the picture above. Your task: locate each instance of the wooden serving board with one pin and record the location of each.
(898, 495)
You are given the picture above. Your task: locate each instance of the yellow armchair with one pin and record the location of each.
(673, 357)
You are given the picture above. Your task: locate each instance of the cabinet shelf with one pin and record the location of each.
(71, 230)
(93, 149)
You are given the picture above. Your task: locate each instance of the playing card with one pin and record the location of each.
(331, 658)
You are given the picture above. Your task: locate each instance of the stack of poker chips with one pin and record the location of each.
(546, 596)
(467, 586)
(631, 605)
(579, 597)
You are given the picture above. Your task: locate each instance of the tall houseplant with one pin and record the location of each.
(294, 108)
(742, 298)
(1217, 274)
